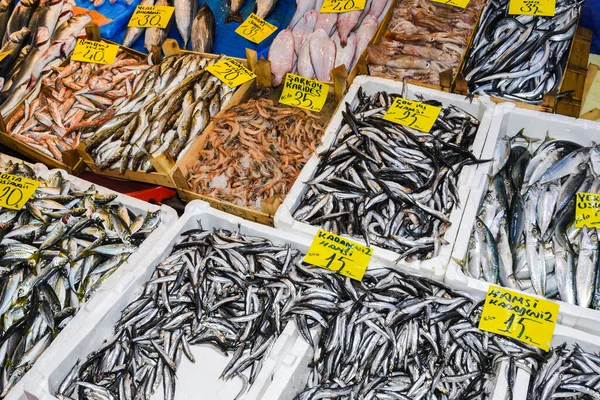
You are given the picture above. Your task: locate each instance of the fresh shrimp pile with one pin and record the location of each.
(255, 152)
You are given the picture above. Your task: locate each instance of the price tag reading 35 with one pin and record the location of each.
(231, 72)
(413, 114)
(455, 3)
(16, 190)
(151, 16)
(538, 8)
(339, 254)
(340, 6)
(255, 29)
(305, 93)
(587, 210)
(95, 52)
(526, 318)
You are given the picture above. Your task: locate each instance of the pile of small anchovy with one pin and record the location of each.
(520, 57)
(54, 254)
(389, 184)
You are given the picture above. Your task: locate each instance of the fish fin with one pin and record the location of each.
(234, 16)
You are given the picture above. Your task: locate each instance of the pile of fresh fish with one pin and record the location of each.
(196, 27)
(520, 57)
(423, 39)
(71, 97)
(53, 29)
(262, 8)
(390, 185)
(172, 103)
(255, 152)
(524, 236)
(55, 253)
(315, 43)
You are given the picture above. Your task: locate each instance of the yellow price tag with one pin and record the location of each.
(339, 254)
(95, 52)
(413, 114)
(305, 93)
(4, 54)
(255, 29)
(455, 3)
(526, 318)
(538, 8)
(151, 16)
(231, 72)
(587, 210)
(16, 190)
(340, 6)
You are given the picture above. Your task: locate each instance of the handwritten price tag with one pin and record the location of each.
(587, 210)
(151, 16)
(231, 72)
(526, 318)
(16, 190)
(4, 54)
(539, 8)
(455, 3)
(95, 52)
(339, 254)
(305, 93)
(255, 29)
(413, 114)
(340, 6)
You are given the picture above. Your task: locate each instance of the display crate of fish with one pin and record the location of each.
(521, 208)
(474, 117)
(246, 166)
(171, 105)
(402, 48)
(91, 235)
(518, 59)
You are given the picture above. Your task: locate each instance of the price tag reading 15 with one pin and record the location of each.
(16, 190)
(339, 254)
(340, 6)
(526, 318)
(305, 93)
(95, 52)
(538, 8)
(231, 72)
(151, 16)
(413, 114)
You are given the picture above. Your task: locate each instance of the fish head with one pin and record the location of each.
(6, 5)
(20, 36)
(42, 36)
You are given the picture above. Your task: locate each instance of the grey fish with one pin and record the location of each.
(185, 10)
(156, 36)
(264, 7)
(203, 30)
(20, 17)
(6, 9)
(234, 14)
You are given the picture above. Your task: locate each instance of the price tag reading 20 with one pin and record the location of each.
(305, 93)
(95, 52)
(538, 8)
(231, 72)
(339, 254)
(526, 318)
(340, 6)
(16, 190)
(151, 16)
(419, 116)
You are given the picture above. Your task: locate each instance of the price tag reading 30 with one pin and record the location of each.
(305, 93)
(340, 6)
(587, 210)
(255, 29)
(455, 3)
(151, 16)
(95, 52)
(413, 114)
(526, 318)
(16, 190)
(231, 72)
(538, 8)
(339, 254)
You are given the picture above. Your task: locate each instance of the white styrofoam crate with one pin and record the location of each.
(64, 341)
(482, 108)
(509, 120)
(39, 168)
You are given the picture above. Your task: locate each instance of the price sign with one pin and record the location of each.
(340, 6)
(231, 72)
(339, 254)
(4, 54)
(16, 190)
(305, 93)
(255, 29)
(587, 210)
(455, 3)
(526, 318)
(538, 8)
(413, 114)
(151, 16)
(95, 52)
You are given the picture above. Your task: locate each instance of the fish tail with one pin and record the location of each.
(234, 16)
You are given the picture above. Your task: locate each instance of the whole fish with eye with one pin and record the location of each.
(203, 30)
(388, 184)
(534, 188)
(520, 58)
(54, 254)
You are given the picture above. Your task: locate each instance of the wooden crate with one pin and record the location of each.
(574, 78)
